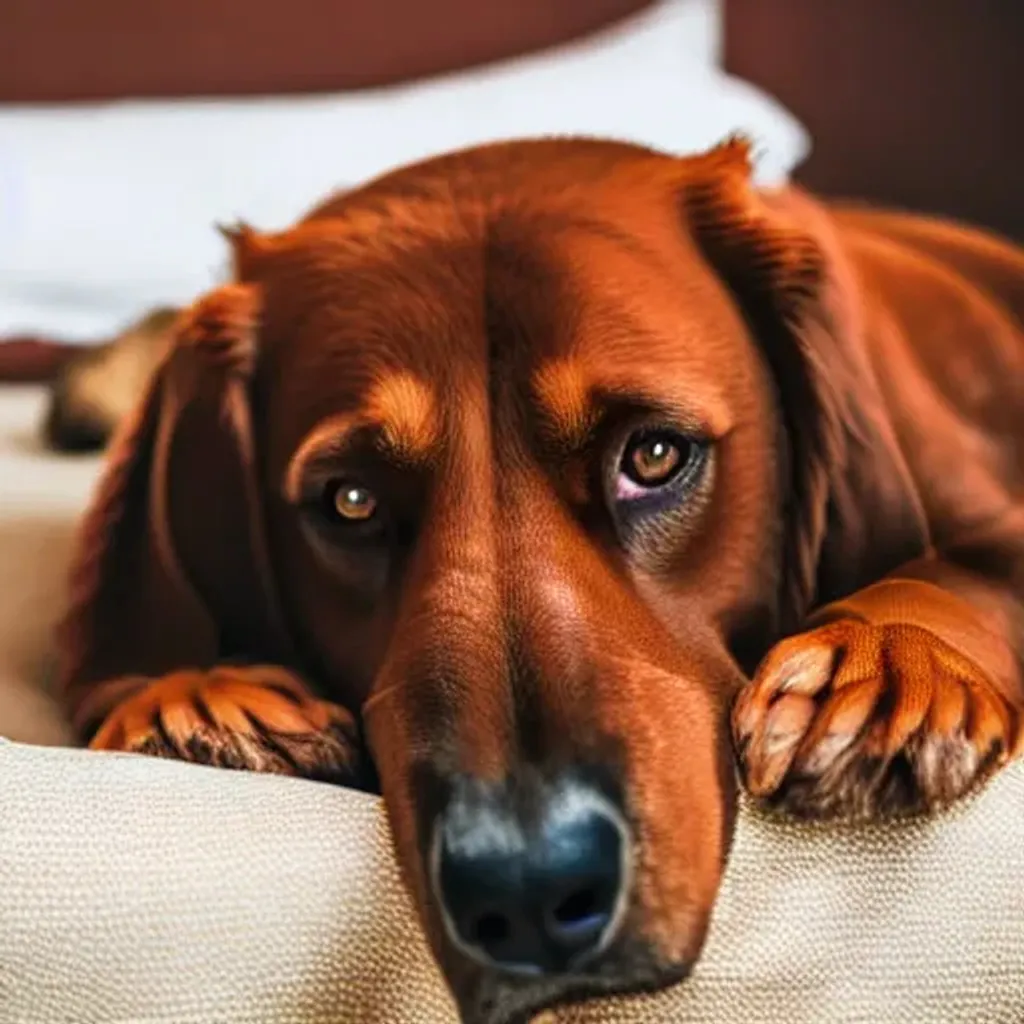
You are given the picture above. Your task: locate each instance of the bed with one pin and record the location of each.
(136, 890)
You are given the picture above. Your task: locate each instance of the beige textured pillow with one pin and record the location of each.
(136, 890)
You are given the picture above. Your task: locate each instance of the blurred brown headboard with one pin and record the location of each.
(911, 102)
(66, 50)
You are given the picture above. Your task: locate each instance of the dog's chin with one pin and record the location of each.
(505, 999)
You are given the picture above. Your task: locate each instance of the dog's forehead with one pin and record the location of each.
(472, 304)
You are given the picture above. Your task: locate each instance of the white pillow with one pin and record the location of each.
(107, 209)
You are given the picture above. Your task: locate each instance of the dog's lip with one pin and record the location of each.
(578, 989)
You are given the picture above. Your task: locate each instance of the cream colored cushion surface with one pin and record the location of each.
(143, 891)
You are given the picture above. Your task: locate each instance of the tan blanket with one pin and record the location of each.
(136, 891)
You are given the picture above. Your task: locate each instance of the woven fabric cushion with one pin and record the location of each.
(137, 890)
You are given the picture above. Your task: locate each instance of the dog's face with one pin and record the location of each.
(525, 454)
(520, 455)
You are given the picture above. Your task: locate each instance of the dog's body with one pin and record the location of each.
(513, 465)
(95, 388)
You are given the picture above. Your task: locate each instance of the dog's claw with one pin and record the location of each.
(772, 750)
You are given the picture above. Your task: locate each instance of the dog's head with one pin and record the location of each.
(542, 444)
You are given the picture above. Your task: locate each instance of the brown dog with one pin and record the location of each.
(515, 464)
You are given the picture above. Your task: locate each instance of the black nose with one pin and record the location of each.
(540, 896)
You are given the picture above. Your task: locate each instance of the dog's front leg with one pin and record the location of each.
(901, 697)
(254, 717)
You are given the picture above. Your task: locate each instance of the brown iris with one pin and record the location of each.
(653, 460)
(353, 503)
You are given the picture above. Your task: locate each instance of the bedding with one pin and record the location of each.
(138, 890)
(109, 209)
(141, 891)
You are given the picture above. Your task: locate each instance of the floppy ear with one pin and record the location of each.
(172, 568)
(853, 512)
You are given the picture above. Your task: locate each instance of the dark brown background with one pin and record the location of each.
(919, 103)
(55, 50)
(912, 102)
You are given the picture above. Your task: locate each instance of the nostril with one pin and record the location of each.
(490, 930)
(581, 915)
(580, 907)
(504, 939)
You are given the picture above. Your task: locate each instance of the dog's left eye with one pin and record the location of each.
(351, 511)
(654, 459)
(350, 502)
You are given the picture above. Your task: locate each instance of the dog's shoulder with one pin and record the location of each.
(949, 252)
(950, 295)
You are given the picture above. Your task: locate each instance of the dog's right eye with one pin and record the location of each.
(653, 460)
(351, 530)
(651, 477)
(658, 460)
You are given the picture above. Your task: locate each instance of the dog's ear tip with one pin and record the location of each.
(245, 242)
(739, 144)
(223, 324)
(734, 154)
(235, 231)
(718, 181)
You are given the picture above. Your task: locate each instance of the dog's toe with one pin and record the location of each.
(255, 718)
(858, 720)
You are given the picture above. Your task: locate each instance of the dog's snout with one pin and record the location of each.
(534, 893)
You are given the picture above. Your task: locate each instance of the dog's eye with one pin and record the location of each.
(350, 502)
(653, 459)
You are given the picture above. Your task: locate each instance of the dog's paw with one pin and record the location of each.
(257, 718)
(856, 720)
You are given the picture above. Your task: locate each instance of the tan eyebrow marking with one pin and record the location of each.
(573, 400)
(563, 392)
(400, 408)
(325, 440)
(408, 415)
